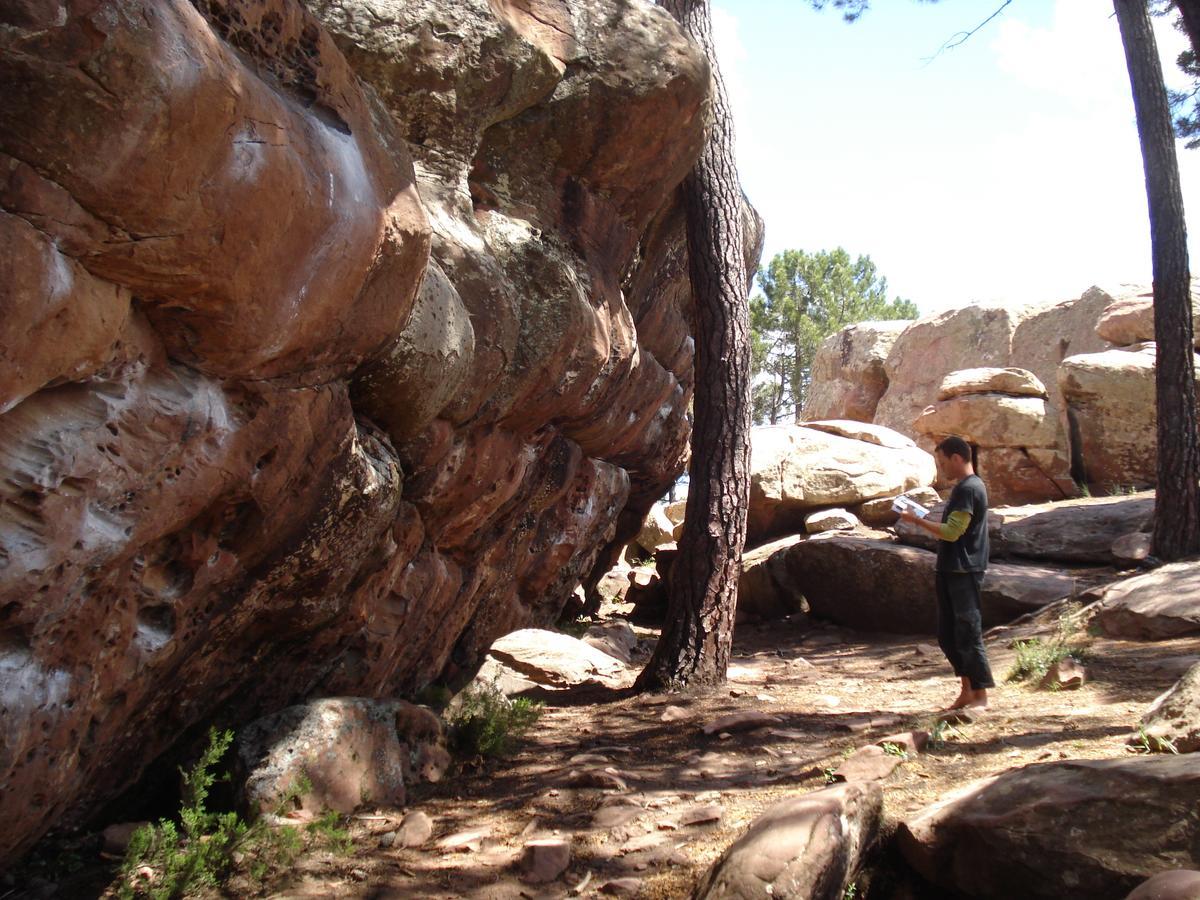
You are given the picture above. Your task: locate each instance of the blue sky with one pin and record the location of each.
(1006, 169)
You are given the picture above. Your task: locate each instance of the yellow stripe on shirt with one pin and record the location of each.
(955, 525)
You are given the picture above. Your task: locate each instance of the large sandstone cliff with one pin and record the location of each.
(336, 340)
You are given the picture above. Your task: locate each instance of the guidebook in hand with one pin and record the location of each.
(907, 504)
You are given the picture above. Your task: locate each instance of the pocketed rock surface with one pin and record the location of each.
(342, 337)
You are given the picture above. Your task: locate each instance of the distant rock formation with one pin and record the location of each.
(1092, 423)
(338, 338)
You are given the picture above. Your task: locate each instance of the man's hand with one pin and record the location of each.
(909, 517)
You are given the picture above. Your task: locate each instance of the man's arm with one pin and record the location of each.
(951, 530)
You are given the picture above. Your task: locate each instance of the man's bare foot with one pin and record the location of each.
(978, 700)
(963, 699)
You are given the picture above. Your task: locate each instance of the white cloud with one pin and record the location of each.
(1079, 56)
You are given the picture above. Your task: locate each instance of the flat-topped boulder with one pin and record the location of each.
(863, 431)
(991, 380)
(874, 584)
(1082, 530)
(1078, 828)
(795, 470)
(1129, 319)
(990, 420)
(830, 520)
(1163, 603)
(878, 513)
(549, 660)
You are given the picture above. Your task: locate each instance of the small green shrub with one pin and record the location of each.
(166, 860)
(1035, 656)
(487, 723)
(1034, 659)
(196, 853)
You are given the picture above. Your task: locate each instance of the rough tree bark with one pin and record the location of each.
(1177, 511)
(694, 647)
(1189, 12)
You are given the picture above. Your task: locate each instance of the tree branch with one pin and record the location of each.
(956, 40)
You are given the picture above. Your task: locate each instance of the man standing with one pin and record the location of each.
(962, 558)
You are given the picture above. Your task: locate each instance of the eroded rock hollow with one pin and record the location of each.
(337, 339)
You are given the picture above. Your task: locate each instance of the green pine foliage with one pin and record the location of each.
(805, 297)
(172, 859)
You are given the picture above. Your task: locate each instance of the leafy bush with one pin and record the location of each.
(487, 723)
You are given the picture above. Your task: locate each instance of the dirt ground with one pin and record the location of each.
(648, 801)
(605, 771)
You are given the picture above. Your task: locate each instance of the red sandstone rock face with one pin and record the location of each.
(286, 411)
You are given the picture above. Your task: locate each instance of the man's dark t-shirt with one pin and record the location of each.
(970, 552)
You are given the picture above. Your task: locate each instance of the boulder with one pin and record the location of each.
(1177, 884)
(1111, 410)
(1078, 828)
(990, 420)
(934, 346)
(1129, 319)
(764, 593)
(657, 530)
(863, 431)
(552, 660)
(1046, 334)
(795, 470)
(1012, 381)
(804, 848)
(879, 513)
(848, 375)
(676, 510)
(1175, 716)
(1130, 549)
(1079, 531)
(879, 585)
(1020, 475)
(616, 638)
(1070, 531)
(1156, 605)
(830, 520)
(350, 752)
(196, 520)
(614, 583)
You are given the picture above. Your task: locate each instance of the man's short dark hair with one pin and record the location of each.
(955, 446)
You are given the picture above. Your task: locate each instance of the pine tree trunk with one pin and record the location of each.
(694, 647)
(1177, 513)
(1189, 11)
